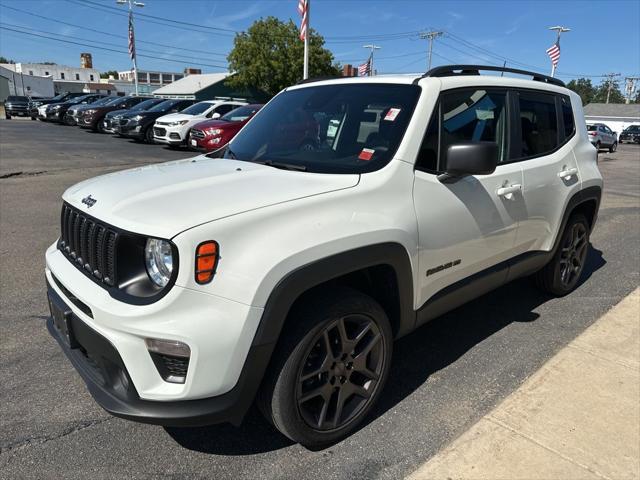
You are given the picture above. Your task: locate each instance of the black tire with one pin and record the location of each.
(338, 389)
(7, 116)
(598, 146)
(33, 118)
(561, 275)
(613, 147)
(148, 136)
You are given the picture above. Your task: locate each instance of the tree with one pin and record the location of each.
(615, 96)
(6, 60)
(110, 72)
(269, 56)
(584, 88)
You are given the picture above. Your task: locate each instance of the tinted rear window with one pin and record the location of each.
(17, 99)
(539, 124)
(592, 128)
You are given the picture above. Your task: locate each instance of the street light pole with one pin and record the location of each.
(431, 36)
(132, 38)
(559, 29)
(372, 48)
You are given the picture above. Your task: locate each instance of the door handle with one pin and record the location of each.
(567, 173)
(508, 190)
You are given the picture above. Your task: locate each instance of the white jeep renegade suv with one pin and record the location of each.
(344, 215)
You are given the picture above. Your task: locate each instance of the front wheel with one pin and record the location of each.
(7, 116)
(330, 368)
(561, 275)
(598, 146)
(148, 135)
(613, 147)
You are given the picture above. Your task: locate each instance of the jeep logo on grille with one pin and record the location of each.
(88, 201)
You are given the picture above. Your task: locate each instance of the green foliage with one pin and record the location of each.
(6, 60)
(615, 96)
(584, 88)
(110, 72)
(269, 56)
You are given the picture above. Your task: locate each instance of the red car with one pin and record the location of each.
(213, 134)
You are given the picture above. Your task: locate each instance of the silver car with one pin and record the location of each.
(601, 136)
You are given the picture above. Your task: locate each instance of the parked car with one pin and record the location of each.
(284, 272)
(75, 112)
(111, 122)
(173, 129)
(35, 104)
(55, 112)
(139, 125)
(93, 116)
(630, 134)
(213, 134)
(601, 136)
(16, 106)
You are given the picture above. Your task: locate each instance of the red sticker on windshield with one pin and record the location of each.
(392, 114)
(366, 154)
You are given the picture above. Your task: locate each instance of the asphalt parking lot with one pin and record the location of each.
(444, 377)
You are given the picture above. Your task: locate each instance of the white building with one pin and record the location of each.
(21, 84)
(616, 116)
(57, 72)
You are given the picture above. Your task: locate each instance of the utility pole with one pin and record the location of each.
(610, 77)
(559, 29)
(372, 48)
(630, 88)
(431, 36)
(131, 36)
(305, 66)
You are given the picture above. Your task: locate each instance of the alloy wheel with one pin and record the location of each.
(573, 255)
(341, 372)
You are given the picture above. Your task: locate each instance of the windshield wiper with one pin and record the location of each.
(283, 166)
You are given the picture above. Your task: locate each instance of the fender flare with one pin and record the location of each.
(289, 288)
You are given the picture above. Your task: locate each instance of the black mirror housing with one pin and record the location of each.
(471, 158)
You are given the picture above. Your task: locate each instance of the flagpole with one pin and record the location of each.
(559, 29)
(372, 48)
(131, 4)
(305, 68)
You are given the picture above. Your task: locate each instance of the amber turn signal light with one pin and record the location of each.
(207, 255)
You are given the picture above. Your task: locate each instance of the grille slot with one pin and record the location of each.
(197, 133)
(89, 245)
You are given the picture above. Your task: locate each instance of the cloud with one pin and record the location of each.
(456, 15)
(227, 21)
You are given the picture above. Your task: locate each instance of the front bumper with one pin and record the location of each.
(169, 135)
(111, 356)
(131, 130)
(16, 112)
(55, 116)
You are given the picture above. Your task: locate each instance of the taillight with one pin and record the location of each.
(591, 133)
(207, 255)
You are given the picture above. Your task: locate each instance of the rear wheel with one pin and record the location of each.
(561, 275)
(613, 147)
(330, 368)
(7, 116)
(598, 145)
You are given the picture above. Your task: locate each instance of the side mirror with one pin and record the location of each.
(215, 115)
(470, 158)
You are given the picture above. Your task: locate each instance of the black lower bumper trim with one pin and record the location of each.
(108, 381)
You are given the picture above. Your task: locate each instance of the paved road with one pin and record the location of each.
(445, 376)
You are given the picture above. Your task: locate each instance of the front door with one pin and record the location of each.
(469, 225)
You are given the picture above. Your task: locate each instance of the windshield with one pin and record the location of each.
(162, 106)
(17, 99)
(340, 128)
(104, 101)
(197, 108)
(240, 114)
(146, 104)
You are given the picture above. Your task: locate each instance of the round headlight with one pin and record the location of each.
(159, 261)
(214, 131)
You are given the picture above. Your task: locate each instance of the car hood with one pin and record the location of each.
(165, 199)
(176, 117)
(216, 124)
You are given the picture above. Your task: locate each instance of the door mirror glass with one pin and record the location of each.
(471, 158)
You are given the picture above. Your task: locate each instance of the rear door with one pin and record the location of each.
(544, 148)
(467, 226)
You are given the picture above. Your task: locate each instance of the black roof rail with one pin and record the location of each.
(318, 79)
(455, 70)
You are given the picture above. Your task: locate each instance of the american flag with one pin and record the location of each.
(365, 68)
(303, 9)
(554, 53)
(132, 40)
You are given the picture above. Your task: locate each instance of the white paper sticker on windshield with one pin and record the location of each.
(484, 114)
(392, 114)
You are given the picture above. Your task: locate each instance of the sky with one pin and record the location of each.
(604, 36)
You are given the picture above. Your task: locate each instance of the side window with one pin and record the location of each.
(474, 116)
(539, 124)
(567, 117)
(221, 110)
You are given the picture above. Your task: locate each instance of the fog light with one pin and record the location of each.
(168, 347)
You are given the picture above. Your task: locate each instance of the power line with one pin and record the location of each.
(111, 49)
(58, 21)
